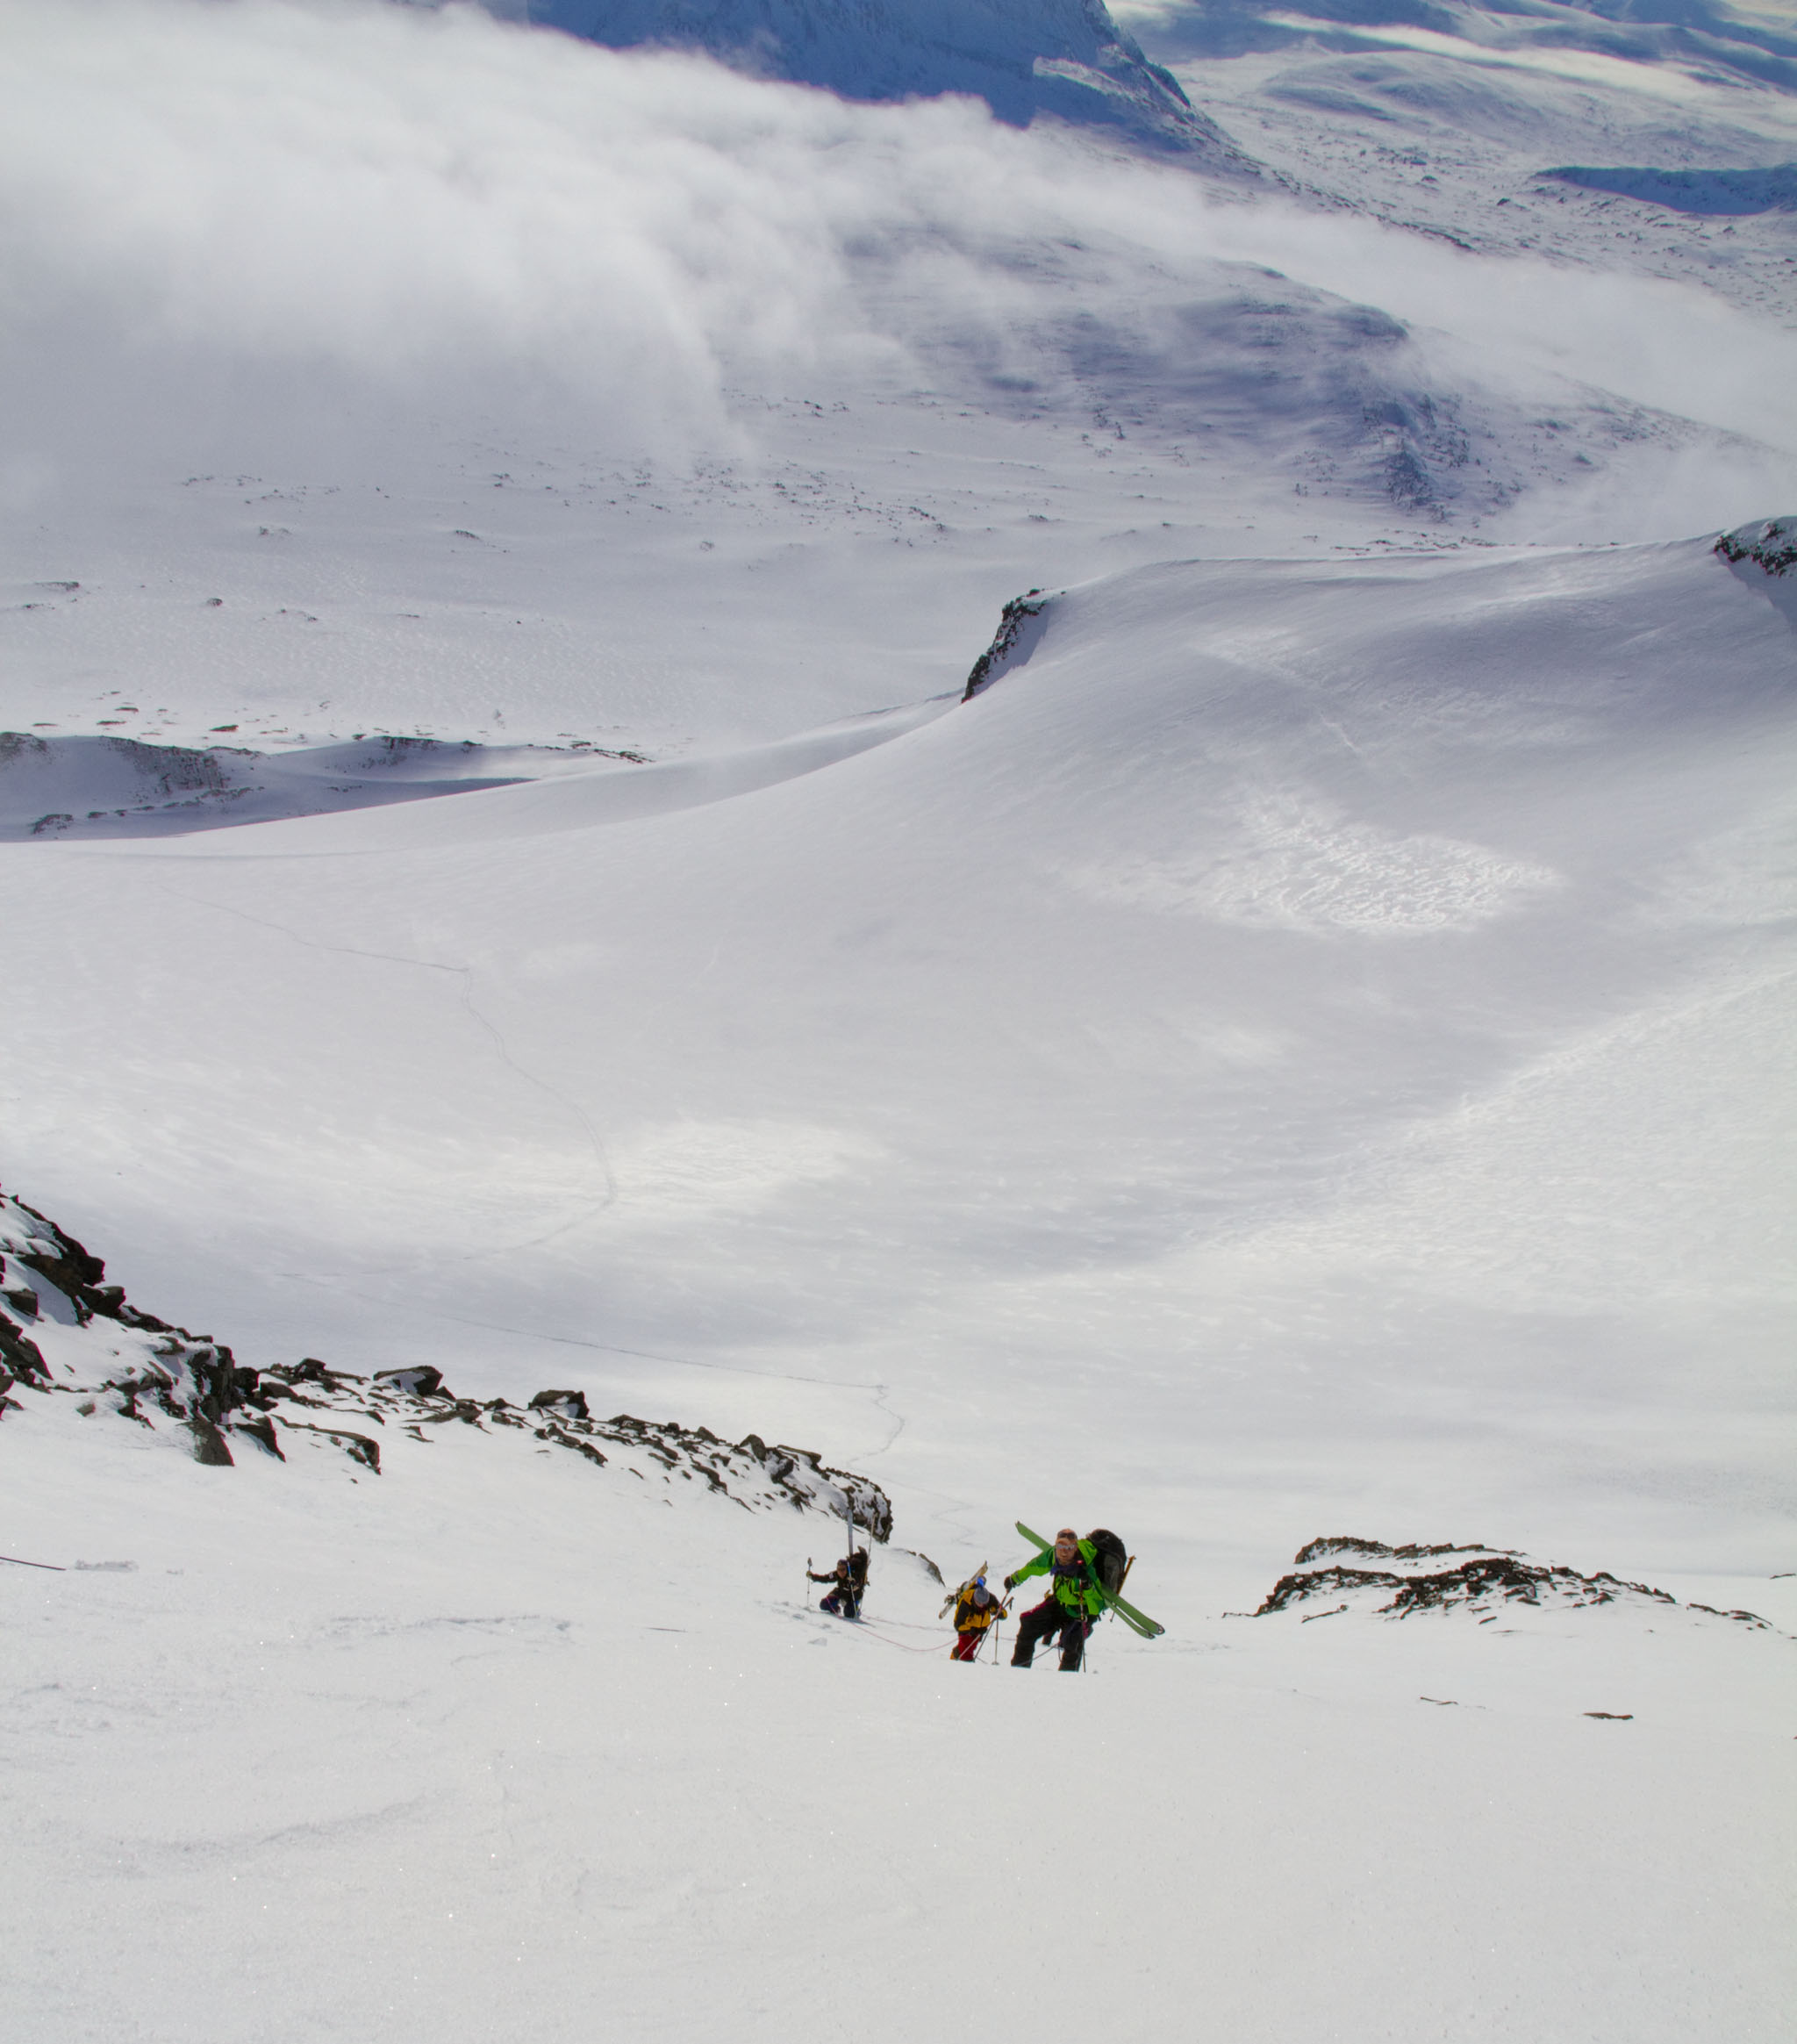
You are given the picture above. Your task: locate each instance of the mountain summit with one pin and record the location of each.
(1063, 58)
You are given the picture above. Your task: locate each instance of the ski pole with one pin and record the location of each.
(807, 1582)
(848, 1595)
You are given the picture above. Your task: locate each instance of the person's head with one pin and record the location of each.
(1066, 1543)
(982, 1595)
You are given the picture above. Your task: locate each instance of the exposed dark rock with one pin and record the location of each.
(419, 1379)
(358, 1446)
(260, 1430)
(1772, 544)
(209, 1444)
(1013, 622)
(19, 1295)
(1744, 1618)
(1498, 1576)
(1345, 1544)
(20, 1355)
(586, 1448)
(72, 1269)
(574, 1402)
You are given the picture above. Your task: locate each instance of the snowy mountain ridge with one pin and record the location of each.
(1755, 44)
(1064, 59)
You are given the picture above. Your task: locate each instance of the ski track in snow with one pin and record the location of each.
(464, 977)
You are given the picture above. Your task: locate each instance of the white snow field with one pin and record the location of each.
(505, 880)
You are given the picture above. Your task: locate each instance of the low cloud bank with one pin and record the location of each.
(229, 222)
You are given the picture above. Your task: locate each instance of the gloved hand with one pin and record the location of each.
(1010, 1582)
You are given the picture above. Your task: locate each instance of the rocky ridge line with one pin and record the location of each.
(1484, 1584)
(193, 1383)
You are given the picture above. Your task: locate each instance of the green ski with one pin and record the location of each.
(1137, 1621)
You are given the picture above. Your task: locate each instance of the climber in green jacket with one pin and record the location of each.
(1074, 1601)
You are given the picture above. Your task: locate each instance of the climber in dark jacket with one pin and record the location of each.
(850, 1579)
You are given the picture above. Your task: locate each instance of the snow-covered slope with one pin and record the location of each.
(569, 1737)
(1289, 1055)
(1756, 43)
(1461, 124)
(1064, 57)
(1292, 983)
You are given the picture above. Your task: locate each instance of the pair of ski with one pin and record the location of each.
(954, 1595)
(1137, 1621)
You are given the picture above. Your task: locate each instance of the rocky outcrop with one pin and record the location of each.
(1021, 625)
(1320, 1550)
(28, 1242)
(1771, 544)
(1412, 1582)
(169, 1379)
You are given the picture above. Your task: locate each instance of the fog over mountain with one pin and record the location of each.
(1066, 59)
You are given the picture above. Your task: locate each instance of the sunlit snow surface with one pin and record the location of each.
(1305, 1051)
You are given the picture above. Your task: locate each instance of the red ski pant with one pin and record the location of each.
(966, 1645)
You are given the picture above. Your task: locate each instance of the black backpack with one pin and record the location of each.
(1110, 1558)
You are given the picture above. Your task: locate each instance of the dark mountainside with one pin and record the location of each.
(1063, 58)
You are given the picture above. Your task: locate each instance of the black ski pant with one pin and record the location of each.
(1043, 1623)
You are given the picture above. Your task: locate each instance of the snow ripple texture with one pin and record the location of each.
(1303, 867)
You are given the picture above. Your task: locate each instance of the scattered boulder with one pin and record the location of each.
(573, 1403)
(418, 1379)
